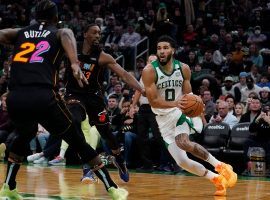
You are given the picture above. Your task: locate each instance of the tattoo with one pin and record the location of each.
(200, 152)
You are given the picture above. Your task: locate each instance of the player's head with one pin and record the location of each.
(165, 49)
(92, 34)
(46, 10)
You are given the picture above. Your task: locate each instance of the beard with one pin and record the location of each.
(166, 60)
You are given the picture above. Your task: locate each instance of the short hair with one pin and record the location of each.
(88, 26)
(113, 96)
(45, 10)
(166, 38)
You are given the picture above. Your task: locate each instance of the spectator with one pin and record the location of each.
(231, 89)
(224, 115)
(242, 81)
(265, 95)
(113, 38)
(254, 73)
(257, 37)
(255, 56)
(239, 110)
(113, 80)
(260, 127)
(209, 104)
(264, 81)
(231, 104)
(113, 112)
(253, 110)
(251, 87)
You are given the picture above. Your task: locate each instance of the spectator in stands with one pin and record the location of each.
(210, 106)
(239, 110)
(255, 74)
(208, 61)
(142, 28)
(237, 59)
(253, 110)
(265, 95)
(255, 56)
(127, 44)
(251, 87)
(224, 115)
(242, 80)
(192, 60)
(117, 90)
(228, 46)
(257, 37)
(231, 89)
(260, 127)
(190, 35)
(113, 80)
(113, 38)
(231, 104)
(264, 81)
(113, 112)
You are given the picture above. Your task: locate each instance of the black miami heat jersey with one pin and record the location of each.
(36, 57)
(91, 70)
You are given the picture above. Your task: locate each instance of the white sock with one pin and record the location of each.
(210, 175)
(62, 153)
(213, 161)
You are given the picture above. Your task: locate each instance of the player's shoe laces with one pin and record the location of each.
(221, 185)
(122, 169)
(226, 170)
(106, 159)
(9, 194)
(58, 161)
(88, 177)
(118, 193)
(33, 157)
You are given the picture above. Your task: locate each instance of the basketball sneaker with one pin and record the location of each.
(118, 193)
(33, 157)
(221, 185)
(88, 177)
(58, 161)
(9, 194)
(41, 161)
(226, 170)
(122, 169)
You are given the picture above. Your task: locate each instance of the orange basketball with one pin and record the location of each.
(194, 106)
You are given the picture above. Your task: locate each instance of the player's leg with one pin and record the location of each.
(17, 147)
(194, 167)
(59, 122)
(183, 142)
(97, 114)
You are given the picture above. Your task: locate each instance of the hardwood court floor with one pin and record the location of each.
(40, 183)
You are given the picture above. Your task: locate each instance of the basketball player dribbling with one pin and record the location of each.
(165, 81)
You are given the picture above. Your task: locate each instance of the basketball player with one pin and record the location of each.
(165, 81)
(90, 99)
(32, 98)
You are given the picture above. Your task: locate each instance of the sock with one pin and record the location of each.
(213, 161)
(62, 153)
(104, 176)
(12, 170)
(210, 175)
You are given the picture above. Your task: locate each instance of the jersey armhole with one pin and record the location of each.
(180, 67)
(154, 67)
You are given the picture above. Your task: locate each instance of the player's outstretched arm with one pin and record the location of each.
(109, 62)
(8, 35)
(69, 44)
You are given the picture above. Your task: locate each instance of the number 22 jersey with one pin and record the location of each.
(36, 57)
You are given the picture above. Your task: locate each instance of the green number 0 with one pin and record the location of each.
(169, 94)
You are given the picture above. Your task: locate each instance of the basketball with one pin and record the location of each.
(194, 105)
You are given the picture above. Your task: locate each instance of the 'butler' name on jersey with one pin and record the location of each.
(36, 34)
(170, 83)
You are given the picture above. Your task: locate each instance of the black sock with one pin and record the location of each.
(104, 176)
(12, 170)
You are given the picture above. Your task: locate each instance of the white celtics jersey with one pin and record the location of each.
(169, 86)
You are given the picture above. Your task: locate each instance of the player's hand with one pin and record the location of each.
(143, 92)
(182, 102)
(78, 75)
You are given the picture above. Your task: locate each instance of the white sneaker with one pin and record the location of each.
(41, 160)
(33, 157)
